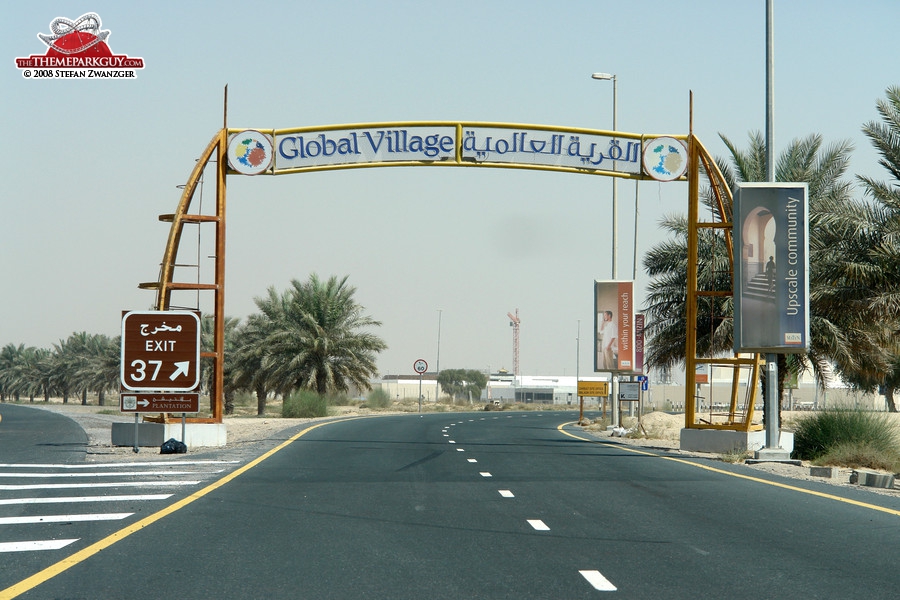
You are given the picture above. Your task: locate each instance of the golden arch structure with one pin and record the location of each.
(469, 144)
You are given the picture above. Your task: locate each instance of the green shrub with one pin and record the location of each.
(304, 404)
(378, 399)
(340, 400)
(854, 432)
(860, 456)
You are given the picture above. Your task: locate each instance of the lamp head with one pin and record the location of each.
(605, 76)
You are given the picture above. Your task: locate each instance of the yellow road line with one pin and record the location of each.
(785, 486)
(82, 555)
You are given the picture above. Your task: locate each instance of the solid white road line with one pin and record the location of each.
(599, 582)
(506, 493)
(99, 484)
(538, 525)
(35, 545)
(106, 474)
(66, 499)
(132, 465)
(63, 518)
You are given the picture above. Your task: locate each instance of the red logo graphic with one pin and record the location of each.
(78, 44)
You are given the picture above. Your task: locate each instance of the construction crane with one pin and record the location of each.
(514, 323)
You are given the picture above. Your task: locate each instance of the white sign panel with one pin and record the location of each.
(538, 147)
(361, 146)
(478, 144)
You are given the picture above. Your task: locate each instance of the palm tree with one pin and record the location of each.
(317, 338)
(249, 352)
(9, 358)
(28, 372)
(40, 372)
(101, 368)
(878, 224)
(837, 335)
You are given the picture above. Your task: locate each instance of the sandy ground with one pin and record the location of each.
(248, 437)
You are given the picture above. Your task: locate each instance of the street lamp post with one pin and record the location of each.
(437, 366)
(615, 236)
(615, 182)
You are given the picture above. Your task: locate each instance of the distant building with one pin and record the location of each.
(503, 386)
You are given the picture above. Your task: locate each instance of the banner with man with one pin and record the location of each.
(614, 326)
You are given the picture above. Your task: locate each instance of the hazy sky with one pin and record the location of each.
(89, 165)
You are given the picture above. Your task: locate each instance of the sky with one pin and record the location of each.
(438, 256)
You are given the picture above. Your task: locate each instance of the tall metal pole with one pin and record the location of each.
(615, 234)
(773, 427)
(772, 450)
(635, 260)
(770, 92)
(437, 365)
(577, 372)
(577, 352)
(615, 199)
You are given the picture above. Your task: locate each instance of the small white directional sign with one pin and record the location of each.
(160, 351)
(159, 402)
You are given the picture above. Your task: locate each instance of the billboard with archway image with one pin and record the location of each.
(771, 313)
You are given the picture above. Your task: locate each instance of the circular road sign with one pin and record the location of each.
(420, 366)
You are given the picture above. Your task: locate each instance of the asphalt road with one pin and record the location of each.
(504, 505)
(31, 435)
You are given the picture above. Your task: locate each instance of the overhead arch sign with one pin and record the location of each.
(239, 151)
(281, 151)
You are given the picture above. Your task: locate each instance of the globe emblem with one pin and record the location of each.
(249, 152)
(665, 158)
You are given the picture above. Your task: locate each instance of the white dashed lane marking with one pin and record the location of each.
(506, 493)
(596, 579)
(538, 525)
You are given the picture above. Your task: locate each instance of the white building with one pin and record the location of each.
(525, 389)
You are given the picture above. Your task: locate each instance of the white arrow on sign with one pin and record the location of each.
(144, 402)
(181, 368)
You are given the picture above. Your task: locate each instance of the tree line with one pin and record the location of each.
(313, 335)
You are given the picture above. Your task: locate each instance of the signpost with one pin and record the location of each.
(629, 391)
(420, 367)
(160, 351)
(599, 389)
(644, 381)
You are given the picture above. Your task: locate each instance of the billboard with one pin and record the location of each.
(638, 343)
(771, 266)
(614, 326)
